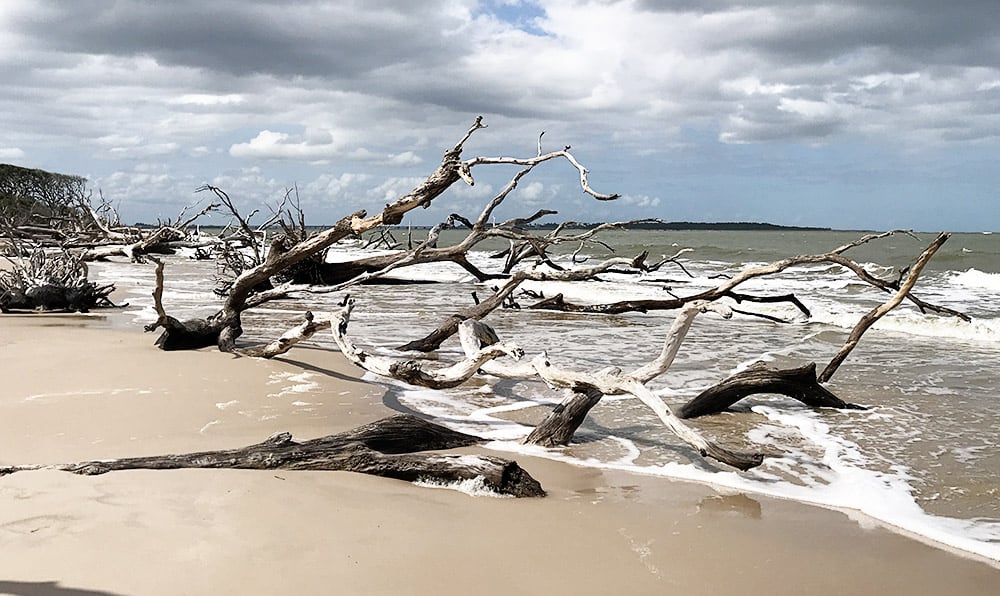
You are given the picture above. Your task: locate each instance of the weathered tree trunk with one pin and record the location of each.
(301, 332)
(615, 384)
(338, 273)
(383, 448)
(563, 421)
(180, 335)
(607, 381)
(797, 383)
(902, 292)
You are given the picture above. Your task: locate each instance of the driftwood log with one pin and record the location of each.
(389, 447)
(803, 383)
(798, 383)
(450, 325)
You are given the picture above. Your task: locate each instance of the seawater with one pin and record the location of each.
(923, 458)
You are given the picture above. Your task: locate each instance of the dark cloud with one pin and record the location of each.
(285, 39)
(925, 31)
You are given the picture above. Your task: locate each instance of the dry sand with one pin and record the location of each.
(73, 388)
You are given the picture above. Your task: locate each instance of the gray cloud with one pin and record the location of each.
(378, 88)
(320, 39)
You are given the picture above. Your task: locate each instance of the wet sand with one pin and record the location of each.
(74, 388)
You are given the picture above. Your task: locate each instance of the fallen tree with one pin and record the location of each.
(480, 353)
(249, 288)
(54, 281)
(391, 447)
(585, 389)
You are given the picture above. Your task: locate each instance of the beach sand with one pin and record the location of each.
(75, 388)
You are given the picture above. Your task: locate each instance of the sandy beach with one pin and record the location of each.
(75, 388)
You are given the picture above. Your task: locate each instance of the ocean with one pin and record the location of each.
(922, 459)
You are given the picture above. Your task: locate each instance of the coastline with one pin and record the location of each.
(80, 389)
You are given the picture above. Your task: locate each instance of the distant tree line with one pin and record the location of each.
(25, 192)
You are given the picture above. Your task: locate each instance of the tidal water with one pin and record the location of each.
(922, 458)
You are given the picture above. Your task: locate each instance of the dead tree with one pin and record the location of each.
(802, 383)
(225, 327)
(603, 382)
(53, 281)
(334, 277)
(392, 447)
(585, 390)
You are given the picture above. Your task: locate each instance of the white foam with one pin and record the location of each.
(909, 321)
(304, 382)
(839, 480)
(974, 278)
(475, 487)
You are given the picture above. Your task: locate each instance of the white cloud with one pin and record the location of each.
(142, 151)
(327, 185)
(642, 201)
(406, 158)
(11, 153)
(312, 146)
(532, 191)
(206, 99)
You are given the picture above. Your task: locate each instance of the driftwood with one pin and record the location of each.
(481, 348)
(610, 384)
(177, 335)
(563, 421)
(869, 319)
(337, 276)
(413, 371)
(225, 326)
(301, 332)
(450, 325)
(388, 448)
(45, 210)
(802, 383)
(727, 288)
(797, 383)
(51, 282)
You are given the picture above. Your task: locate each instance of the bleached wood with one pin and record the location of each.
(626, 384)
(675, 337)
(878, 312)
(413, 371)
(309, 327)
(612, 382)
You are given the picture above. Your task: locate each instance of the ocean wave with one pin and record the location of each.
(912, 322)
(974, 278)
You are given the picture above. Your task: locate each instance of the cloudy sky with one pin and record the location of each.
(851, 114)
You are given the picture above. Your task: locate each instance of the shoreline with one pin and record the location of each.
(81, 388)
